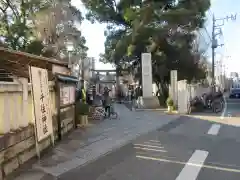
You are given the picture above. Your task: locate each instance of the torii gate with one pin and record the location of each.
(98, 82)
(116, 81)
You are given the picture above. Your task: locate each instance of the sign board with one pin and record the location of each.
(67, 94)
(41, 102)
(60, 69)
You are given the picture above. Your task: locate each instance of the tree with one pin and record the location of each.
(165, 28)
(14, 25)
(55, 27)
(41, 27)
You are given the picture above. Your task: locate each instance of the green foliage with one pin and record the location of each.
(164, 28)
(82, 108)
(24, 27)
(169, 102)
(35, 47)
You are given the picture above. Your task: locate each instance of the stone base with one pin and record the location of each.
(149, 102)
(83, 120)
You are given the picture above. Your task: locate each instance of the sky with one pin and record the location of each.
(94, 34)
(230, 31)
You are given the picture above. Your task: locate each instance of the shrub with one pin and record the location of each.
(169, 102)
(82, 108)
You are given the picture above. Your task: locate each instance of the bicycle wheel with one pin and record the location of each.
(114, 115)
(217, 106)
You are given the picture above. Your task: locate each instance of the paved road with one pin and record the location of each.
(184, 149)
(84, 145)
(232, 108)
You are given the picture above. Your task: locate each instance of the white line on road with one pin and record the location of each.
(221, 168)
(150, 149)
(214, 129)
(190, 171)
(148, 146)
(225, 108)
(155, 141)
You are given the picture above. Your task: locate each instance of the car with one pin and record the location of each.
(234, 93)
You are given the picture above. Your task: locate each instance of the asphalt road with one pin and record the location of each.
(232, 108)
(185, 149)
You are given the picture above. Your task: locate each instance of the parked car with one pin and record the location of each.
(234, 93)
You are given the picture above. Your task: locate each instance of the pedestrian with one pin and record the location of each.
(138, 94)
(133, 99)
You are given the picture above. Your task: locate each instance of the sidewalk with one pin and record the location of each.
(83, 146)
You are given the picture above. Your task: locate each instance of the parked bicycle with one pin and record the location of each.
(215, 103)
(218, 105)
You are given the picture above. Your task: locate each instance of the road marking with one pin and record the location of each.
(148, 146)
(154, 141)
(190, 171)
(150, 149)
(225, 108)
(214, 129)
(184, 163)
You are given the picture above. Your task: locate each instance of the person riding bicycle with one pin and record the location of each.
(107, 101)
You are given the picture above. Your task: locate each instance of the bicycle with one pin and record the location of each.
(218, 105)
(113, 113)
(200, 104)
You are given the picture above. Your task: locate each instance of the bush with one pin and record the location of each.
(169, 102)
(82, 108)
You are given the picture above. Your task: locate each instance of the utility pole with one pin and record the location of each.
(215, 43)
(81, 69)
(213, 53)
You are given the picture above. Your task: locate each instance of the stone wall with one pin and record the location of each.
(17, 140)
(18, 147)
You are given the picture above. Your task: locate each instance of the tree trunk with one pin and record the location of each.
(163, 93)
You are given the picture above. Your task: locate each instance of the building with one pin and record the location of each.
(234, 75)
(83, 70)
(87, 67)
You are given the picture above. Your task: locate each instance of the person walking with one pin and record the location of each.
(138, 94)
(133, 99)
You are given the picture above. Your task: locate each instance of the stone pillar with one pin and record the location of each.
(24, 122)
(183, 97)
(174, 86)
(147, 75)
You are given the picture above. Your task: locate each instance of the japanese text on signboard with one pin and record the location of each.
(41, 100)
(43, 111)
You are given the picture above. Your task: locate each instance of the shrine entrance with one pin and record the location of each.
(111, 79)
(105, 78)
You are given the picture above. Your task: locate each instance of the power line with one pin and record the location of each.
(214, 40)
